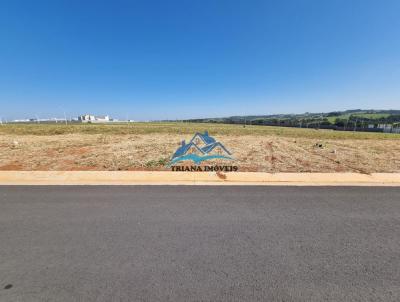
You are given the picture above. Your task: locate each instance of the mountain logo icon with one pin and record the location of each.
(200, 148)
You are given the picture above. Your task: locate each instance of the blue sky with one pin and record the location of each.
(187, 58)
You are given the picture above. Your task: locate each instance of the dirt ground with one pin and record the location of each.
(267, 153)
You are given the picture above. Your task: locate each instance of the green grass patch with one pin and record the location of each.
(185, 129)
(373, 116)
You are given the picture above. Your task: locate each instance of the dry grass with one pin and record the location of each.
(149, 147)
(184, 129)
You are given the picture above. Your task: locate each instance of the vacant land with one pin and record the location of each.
(149, 146)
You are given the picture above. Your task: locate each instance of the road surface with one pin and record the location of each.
(166, 243)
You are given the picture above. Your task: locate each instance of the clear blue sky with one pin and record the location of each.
(187, 58)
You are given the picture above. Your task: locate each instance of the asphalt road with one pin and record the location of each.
(199, 244)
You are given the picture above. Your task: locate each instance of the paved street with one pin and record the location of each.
(166, 243)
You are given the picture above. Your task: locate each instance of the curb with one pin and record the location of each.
(195, 178)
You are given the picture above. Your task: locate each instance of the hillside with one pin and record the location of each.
(340, 120)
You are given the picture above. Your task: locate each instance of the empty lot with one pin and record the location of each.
(149, 146)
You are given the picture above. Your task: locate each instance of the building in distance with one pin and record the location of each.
(89, 118)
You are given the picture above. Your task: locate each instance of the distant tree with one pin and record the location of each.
(340, 122)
